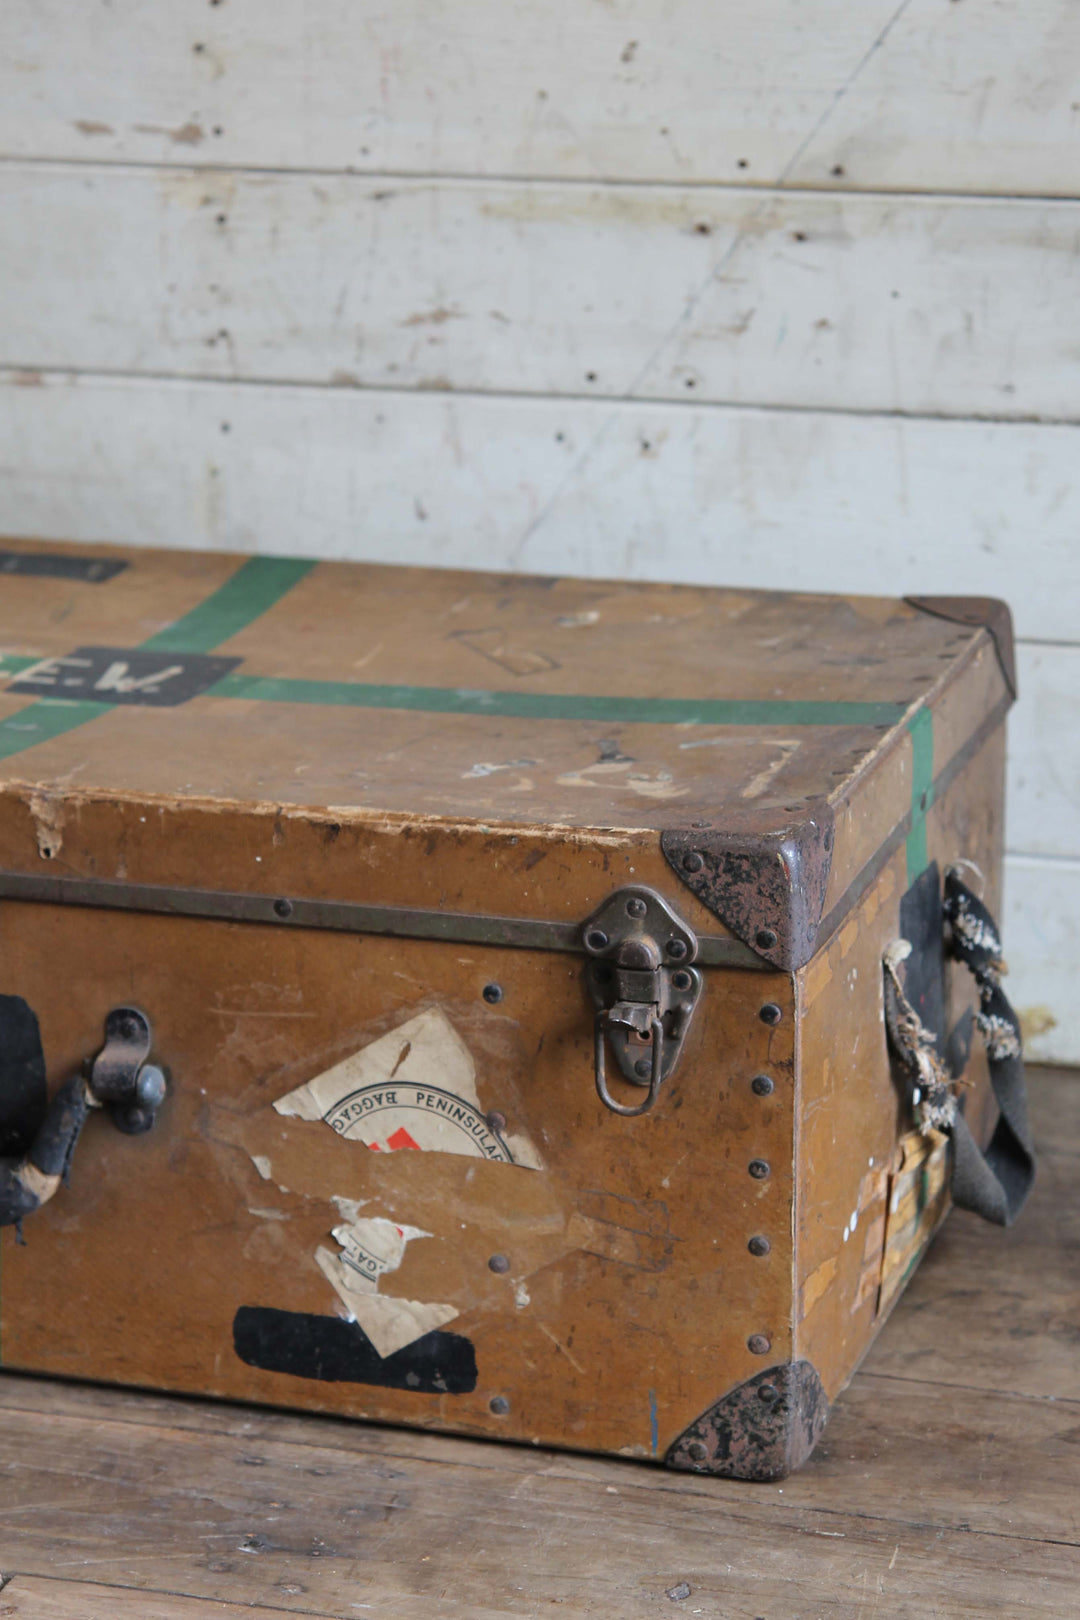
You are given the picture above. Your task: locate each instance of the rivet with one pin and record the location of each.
(697, 1450)
(758, 1168)
(499, 1263)
(766, 939)
(283, 908)
(758, 1344)
(768, 1392)
(759, 1246)
(496, 1122)
(492, 993)
(636, 907)
(693, 862)
(761, 1085)
(681, 980)
(676, 949)
(643, 1068)
(596, 939)
(499, 1405)
(770, 1013)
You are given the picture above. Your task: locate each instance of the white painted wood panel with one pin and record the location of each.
(872, 303)
(1043, 815)
(960, 97)
(797, 500)
(922, 95)
(1041, 935)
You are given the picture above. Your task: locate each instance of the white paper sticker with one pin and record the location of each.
(371, 1247)
(413, 1088)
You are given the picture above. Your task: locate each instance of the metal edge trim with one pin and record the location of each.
(345, 917)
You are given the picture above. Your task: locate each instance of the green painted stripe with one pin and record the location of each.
(256, 585)
(42, 721)
(921, 727)
(252, 590)
(11, 664)
(559, 705)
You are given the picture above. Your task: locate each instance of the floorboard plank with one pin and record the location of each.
(413, 1542)
(27, 1598)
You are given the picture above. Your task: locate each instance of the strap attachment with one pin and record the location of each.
(994, 1184)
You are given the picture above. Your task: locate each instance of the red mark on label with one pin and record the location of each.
(401, 1139)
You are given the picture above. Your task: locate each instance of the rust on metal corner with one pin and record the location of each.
(764, 873)
(984, 612)
(761, 1430)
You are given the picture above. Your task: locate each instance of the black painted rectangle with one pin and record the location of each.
(339, 1352)
(123, 675)
(57, 565)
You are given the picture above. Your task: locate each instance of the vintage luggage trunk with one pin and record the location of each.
(474, 989)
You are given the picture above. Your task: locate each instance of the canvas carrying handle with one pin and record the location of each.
(995, 1183)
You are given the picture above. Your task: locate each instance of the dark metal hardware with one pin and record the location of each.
(643, 1005)
(337, 916)
(119, 1079)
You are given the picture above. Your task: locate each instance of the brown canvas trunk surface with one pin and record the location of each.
(376, 866)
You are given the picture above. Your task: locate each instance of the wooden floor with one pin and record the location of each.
(948, 1482)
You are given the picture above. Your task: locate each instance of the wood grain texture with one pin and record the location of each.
(317, 1529)
(924, 96)
(869, 303)
(26, 1598)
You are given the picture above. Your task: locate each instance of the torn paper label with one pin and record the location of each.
(414, 1088)
(371, 1247)
(374, 1246)
(389, 1323)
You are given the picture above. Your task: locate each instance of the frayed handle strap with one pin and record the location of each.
(994, 1184)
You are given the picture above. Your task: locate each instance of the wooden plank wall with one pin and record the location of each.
(781, 295)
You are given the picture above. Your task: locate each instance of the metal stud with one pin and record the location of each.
(761, 1085)
(758, 1344)
(693, 862)
(758, 1168)
(499, 1405)
(759, 1246)
(770, 1013)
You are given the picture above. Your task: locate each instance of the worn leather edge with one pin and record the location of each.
(764, 873)
(986, 612)
(761, 1430)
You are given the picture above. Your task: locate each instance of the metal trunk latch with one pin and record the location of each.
(645, 990)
